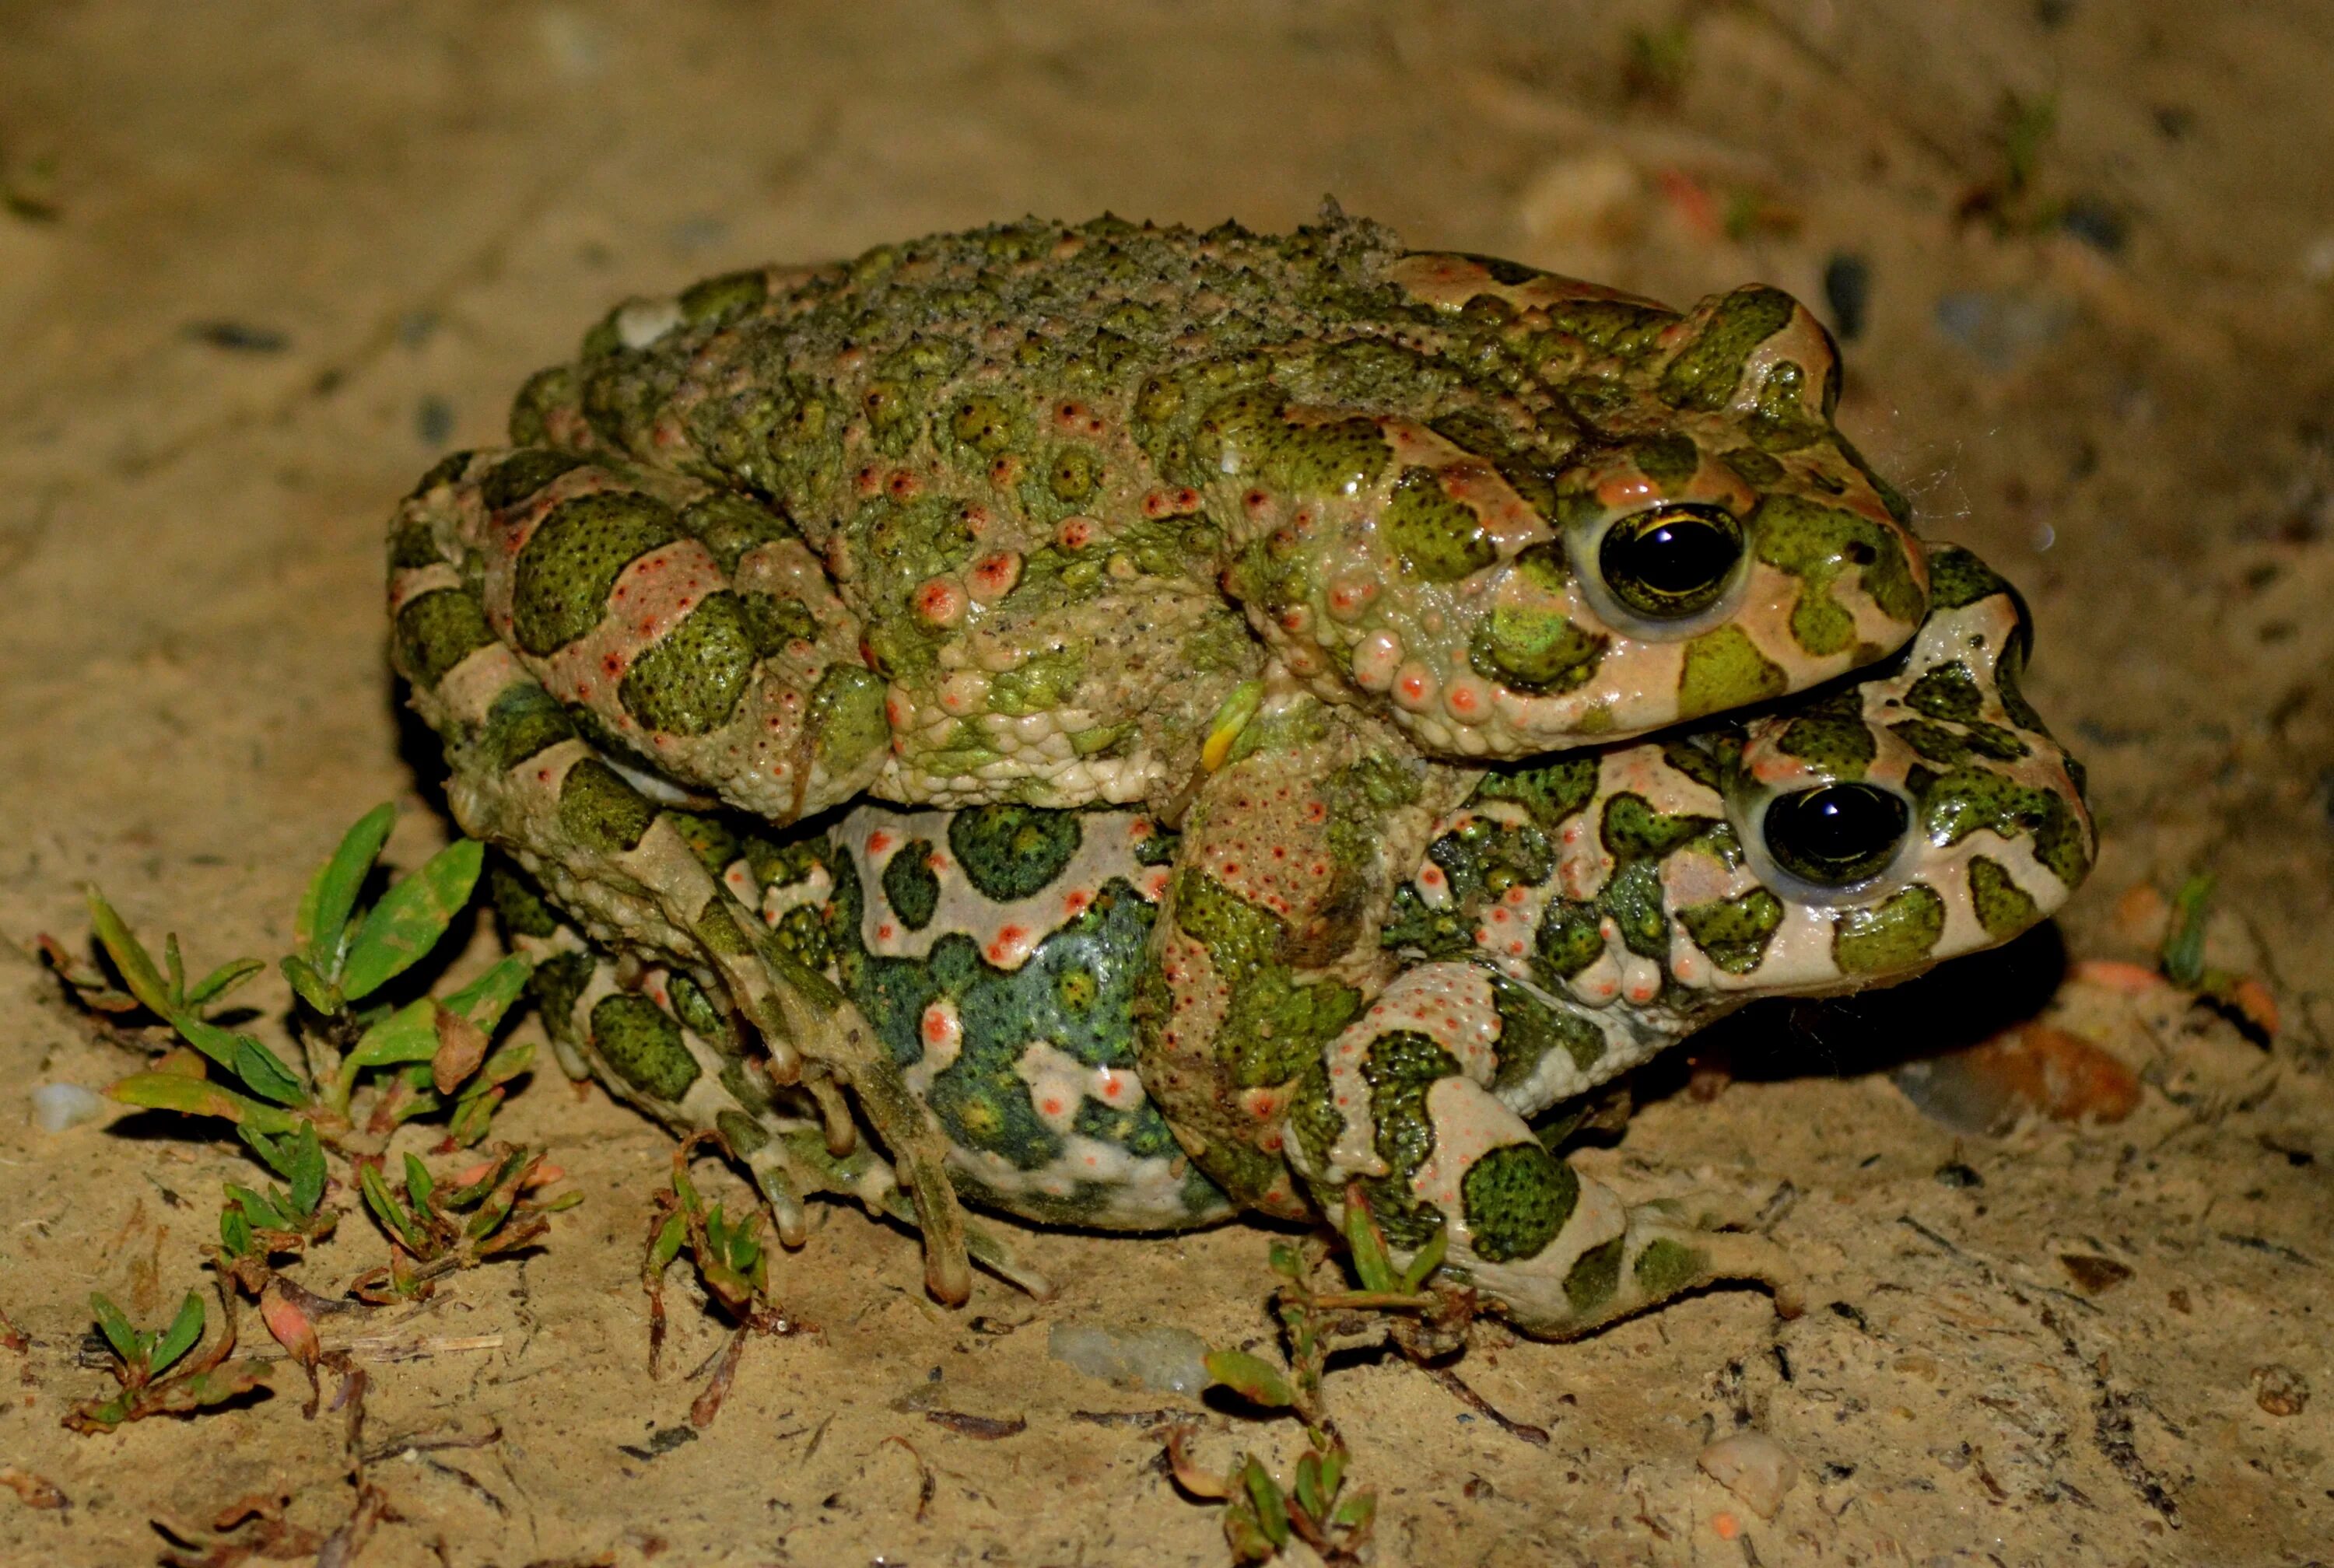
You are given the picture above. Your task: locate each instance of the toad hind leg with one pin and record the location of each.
(524, 778)
(613, 1034)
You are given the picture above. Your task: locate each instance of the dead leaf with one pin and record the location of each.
(461, 1047)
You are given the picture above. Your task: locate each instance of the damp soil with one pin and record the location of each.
(260, 264)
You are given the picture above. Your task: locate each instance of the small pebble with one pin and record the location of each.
(1754, 1467)
(2093, 1274)
(2280, 1390)
(1956, 1173)
(1170, 1359)
(58, 1106)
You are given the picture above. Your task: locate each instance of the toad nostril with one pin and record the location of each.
(1861, 553)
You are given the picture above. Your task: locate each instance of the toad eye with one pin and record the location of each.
(1671, 562)
(1836, 834)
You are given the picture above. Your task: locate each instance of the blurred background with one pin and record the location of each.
(261, 263)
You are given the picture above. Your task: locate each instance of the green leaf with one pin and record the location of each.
(1271, 1509)
(222, 980)
(177, 965)
(506, 1169)
(1429, 1259)
(307, 1172)
(263, 1073)
(1309, 1495)
(1333, 1473)
(408, 1034)
(2183, 945)
(314, 989)
(491, 1213)
(1356, 1513)
(258, 1207)
(1244, 1536)
(486, 999)
(128, 955)
(219, 1384)
(1367, 1244)
(332, 893)
(419, 1186)
(1287, 1261)
(218, 1044)
(235, 1231)
(180, 1336)
(506, 1063)
(393, 1218)
(272, 1152)
(667, 1246)
(411, 917)
(126, 1340)
(199, 1097)
(1253, 1378)
(473, 1118)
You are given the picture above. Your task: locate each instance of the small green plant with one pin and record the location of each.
(368, 1062)
(1261, 1516)
(732, 1261)
(2238, 996)
(367, 1066)
(256, 1227)
(427, 1055)
(436, 1228)
(144, 1361)
(2010, 199)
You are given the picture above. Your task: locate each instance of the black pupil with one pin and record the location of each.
(1836, 833)
(1673, 562)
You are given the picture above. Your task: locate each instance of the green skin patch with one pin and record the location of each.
(846, 716)
(1816, 543)
(1733, 933)
(570, 563)
(524, 721)
(1012, 851)
(1275, 1025)
(600, 810)
(1705, 373)
(1437, 537)
(1400, 1066)
(1532, 646)
(642, 1043)
(1074, 994)
(521, 475)
(1529, 1029)
(1832, 736)
(910, 885)
(1957, 804)
(1891, 938)
(1724, 669)
(438, 630)
(2003, 908)
(1666, 1267)
(1516, 1198)
(689, 680)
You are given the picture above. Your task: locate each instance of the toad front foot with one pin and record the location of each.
(1409, 1111)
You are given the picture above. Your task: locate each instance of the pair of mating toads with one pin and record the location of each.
(1247, 635)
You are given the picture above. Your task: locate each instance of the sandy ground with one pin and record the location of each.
(260, 264)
